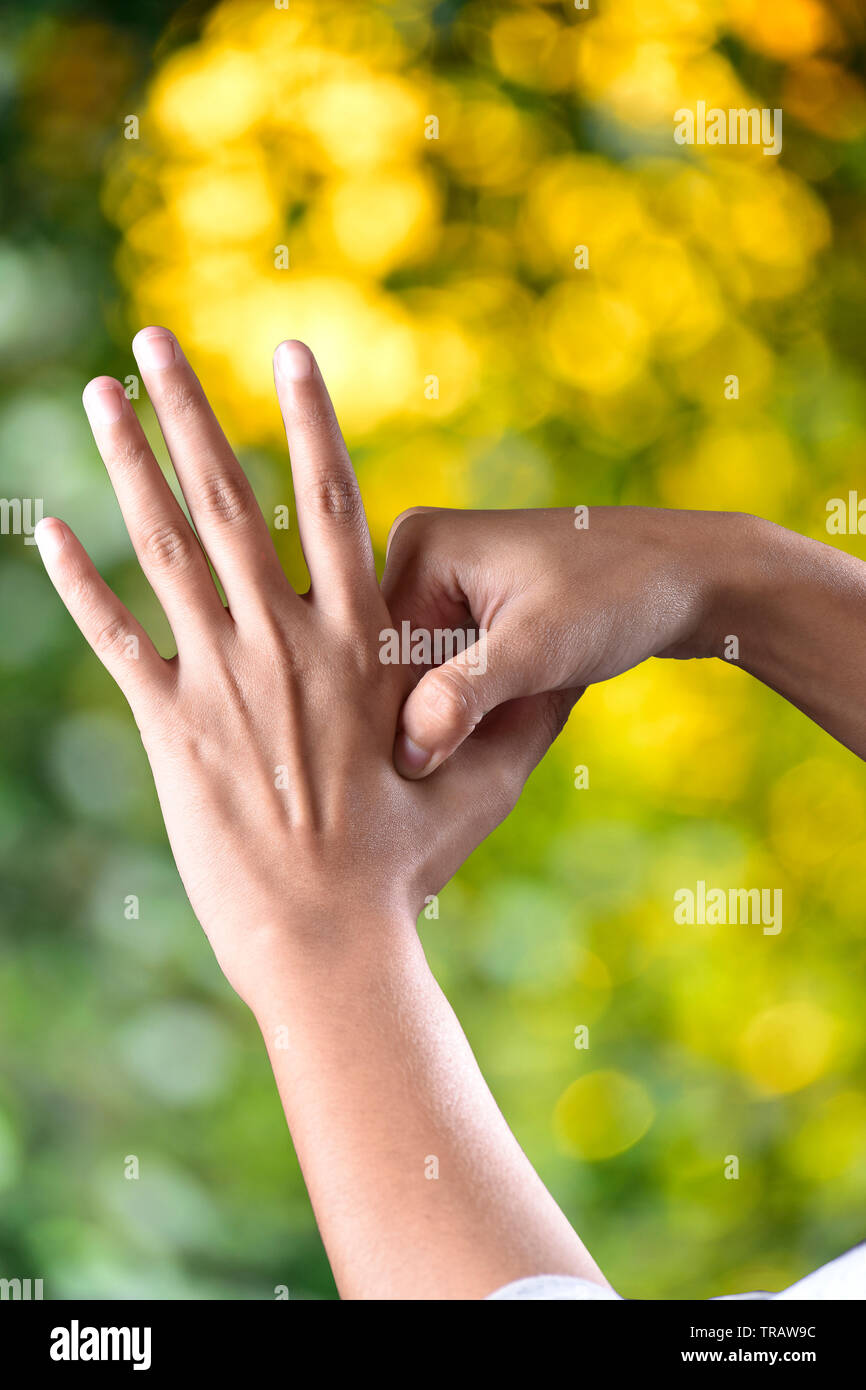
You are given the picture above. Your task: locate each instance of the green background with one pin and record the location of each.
(450, 257)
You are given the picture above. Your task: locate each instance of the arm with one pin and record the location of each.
(305, 856)
(799, 609)
(566, 605)
(419, 1188)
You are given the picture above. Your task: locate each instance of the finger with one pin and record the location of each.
(221, 501)
(449, 702)
(516, 735)
(432, 577)
(489, 770)
(119, 641)
(166, 545)
(400, 520)
(331, 520)
(420, 581)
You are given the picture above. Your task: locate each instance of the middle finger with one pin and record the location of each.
(221, 501)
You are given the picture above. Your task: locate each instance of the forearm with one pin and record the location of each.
(798, 609)
(419, 1188)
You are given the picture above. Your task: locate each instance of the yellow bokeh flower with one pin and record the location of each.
(602, 1114)
(788, 1046)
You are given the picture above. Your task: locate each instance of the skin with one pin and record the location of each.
(306, 857)
(562, 608)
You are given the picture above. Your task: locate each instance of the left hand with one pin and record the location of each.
(270, 733)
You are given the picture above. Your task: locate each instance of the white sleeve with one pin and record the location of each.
(844, 1278)
(550, 1286)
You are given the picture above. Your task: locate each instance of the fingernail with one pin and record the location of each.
(294, 361)
(410, 756)
(154, 350)
(50, 536)
(103, 403)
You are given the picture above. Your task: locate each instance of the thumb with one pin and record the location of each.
(451, 700)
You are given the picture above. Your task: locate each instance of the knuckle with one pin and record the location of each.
(109, 636)
(130, 456)
(225, 498)
(77, 587)
(312, 415)
(409, 524)
(363, 658)
(335, 495)
(450, 698)
(169, 548)
(179, 399)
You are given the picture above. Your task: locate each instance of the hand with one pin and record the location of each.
(305, 856)
(560, 607)
(270, 733)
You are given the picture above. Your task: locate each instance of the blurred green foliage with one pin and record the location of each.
(455, 257)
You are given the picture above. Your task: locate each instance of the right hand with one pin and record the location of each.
(561, 607)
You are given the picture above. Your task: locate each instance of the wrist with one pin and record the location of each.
(320, 955)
